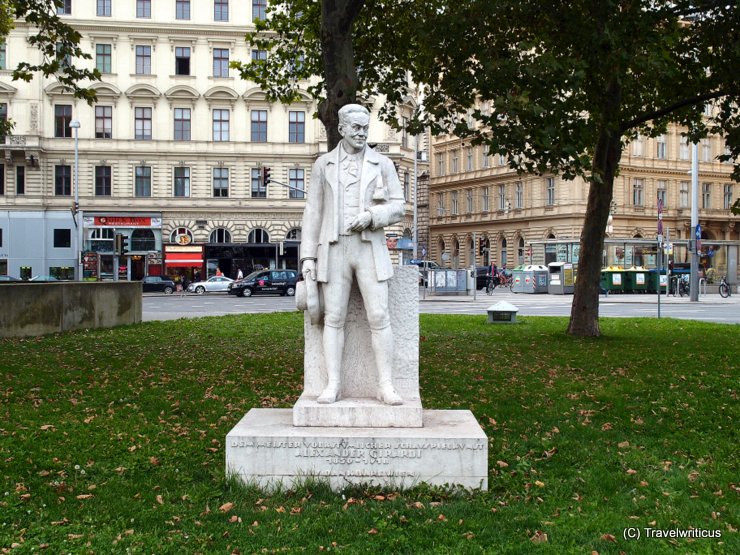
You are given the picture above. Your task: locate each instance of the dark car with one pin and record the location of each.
(265, 282)
(157, 284)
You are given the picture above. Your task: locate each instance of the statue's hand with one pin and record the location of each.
(361, 221)
(309, 269)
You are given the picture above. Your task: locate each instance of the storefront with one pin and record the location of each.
(184, 260)
(143, 236)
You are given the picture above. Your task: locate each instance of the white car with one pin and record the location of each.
(213, 284)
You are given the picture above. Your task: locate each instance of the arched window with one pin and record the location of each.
(503, 252)
(258, 235)
(220, 235)
(293, 235)
(456, 254)
(101, 239)
(487, 252)
(442, 254)
(520, 251)
(181, 236)
(143, 240)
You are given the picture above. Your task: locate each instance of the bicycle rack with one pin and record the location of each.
(703, 282)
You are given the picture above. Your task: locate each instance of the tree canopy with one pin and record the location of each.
(558, 87)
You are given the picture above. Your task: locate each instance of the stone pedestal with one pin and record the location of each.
(265, 449)
(358, 439)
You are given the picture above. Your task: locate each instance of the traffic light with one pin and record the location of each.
(124, 245)
(265, 176)
(118, 244)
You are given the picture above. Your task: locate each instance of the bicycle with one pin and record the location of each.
(683, 286)
(724, 288)
(490, 285)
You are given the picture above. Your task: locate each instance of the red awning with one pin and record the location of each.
(183, 259)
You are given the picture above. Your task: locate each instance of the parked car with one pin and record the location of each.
(211, 285)
(158, 284)
(266, 282)
(9, 279)
(424, 267)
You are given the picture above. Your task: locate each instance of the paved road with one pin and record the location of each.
(711, 308)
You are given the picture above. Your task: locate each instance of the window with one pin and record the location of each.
(182, 60)
(102, 181)
(501, 160)
(62, 238)
(20, 180)
(638, 188)
(455, 154)
(683, 152)
(182, 182)
(441, 208)
(63, 180)
(469, 201)
(143, 181)
(706, 195)
(220, 235)
(297, 183)
(453, 210)
(662, 196)
(103, 58)
(661, 148)
(297, 127)
(258, 188)
(143, 60)
(64, 7)
(708, 109)
(706, 150)
(683, 194)
(485, 152)
(258, 9)
(182, 124)
(220, 182)
(103, 122)
(550, 191)
(3, 55)
(63, 55)
(727, 197)
(440, 164)
(144, 9)
(103, 8)
(259, 55)
(62, 119)
(638, 146)
(143, 124)
(258, 236)
(220, 125)
(2, 179)
(502, 197)
(469, 159)
(220, 62)
(486, 199)
(519, 195)
(259, 126)
(181, 235)
(220, 10)
(293, 235)
(182, 9)
(406, 186)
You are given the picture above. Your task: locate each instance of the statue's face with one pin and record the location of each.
(353, 129)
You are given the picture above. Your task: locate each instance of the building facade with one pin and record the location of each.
(172, 155)
(482, 212)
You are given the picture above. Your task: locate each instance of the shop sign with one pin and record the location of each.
(175, 248)
(90, 260)
(126, 221)
(154, 258)
(183, 239)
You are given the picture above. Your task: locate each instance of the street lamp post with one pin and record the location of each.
(75, 124)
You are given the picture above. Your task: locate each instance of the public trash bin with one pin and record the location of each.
(636, 280)
(561, 278)
(612, 279)
(530, 279)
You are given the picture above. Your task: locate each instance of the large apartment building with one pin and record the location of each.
(481, 212)
(172, 155)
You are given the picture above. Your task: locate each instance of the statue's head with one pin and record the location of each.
(354, 121)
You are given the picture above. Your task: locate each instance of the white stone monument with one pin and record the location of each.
(359, 419)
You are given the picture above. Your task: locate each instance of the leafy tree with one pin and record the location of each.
(570, 82)
(57, 41)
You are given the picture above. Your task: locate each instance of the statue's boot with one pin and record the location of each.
(333, 350)
(382, 340)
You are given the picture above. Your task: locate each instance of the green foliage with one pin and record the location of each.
(112, 441)
(57, 42)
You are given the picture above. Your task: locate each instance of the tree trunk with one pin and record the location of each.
(340, 72)
(584, 314)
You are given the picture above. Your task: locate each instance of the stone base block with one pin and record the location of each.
(265, 449)
(357, 413)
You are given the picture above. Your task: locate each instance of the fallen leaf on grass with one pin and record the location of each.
(539, 537)
(280, 509)
(608, 538)
(623, 444)
(693, 475)
(631, 471)
(539, 484)
(47, 427)
(502, 464)
(226, 507)
(417, 505)
(442, 518)
(372, 531)
(75, 536)
(160, 500)
(85, 496)
(296, 510)
(606, 426)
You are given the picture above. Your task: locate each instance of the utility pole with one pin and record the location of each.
(694, 276)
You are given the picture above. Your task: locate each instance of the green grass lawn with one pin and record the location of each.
(112, 441)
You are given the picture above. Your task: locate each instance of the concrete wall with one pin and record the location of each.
(30, 309)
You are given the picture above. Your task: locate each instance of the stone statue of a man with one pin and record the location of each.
(354, 192)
